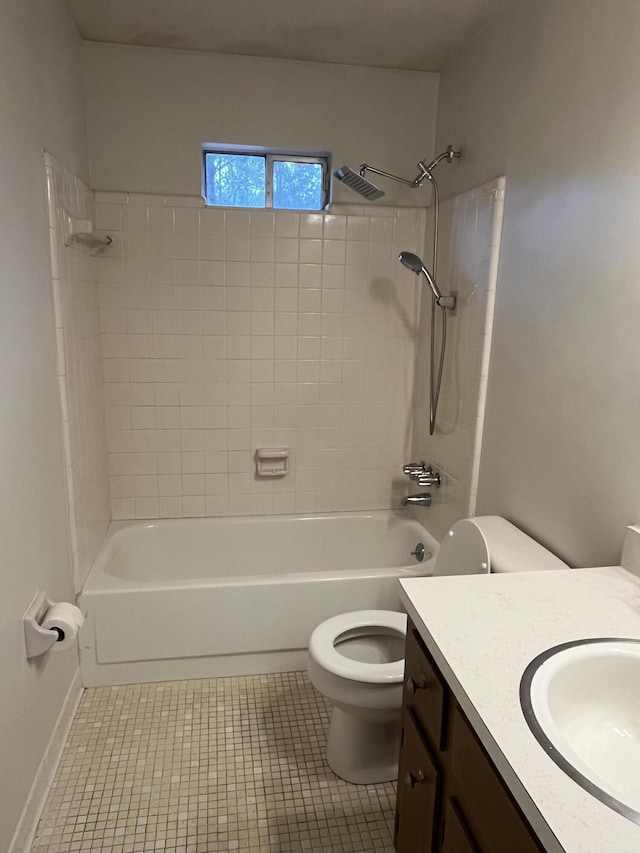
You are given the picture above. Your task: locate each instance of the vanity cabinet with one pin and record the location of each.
(451, 798)
(421, 792)
(456, 836)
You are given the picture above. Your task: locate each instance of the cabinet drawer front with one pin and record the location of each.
(497, 824)
(457, 838)
(418, 793)
(424, 689)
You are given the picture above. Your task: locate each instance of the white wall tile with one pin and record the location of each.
(224, 330)
(469, 248)
(77, 300)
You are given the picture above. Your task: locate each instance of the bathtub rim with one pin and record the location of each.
(100, 580)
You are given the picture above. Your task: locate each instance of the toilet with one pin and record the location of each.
(356, 659)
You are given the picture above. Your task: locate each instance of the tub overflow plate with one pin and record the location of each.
(419, 552)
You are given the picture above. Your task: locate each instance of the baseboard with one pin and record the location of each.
(28, 823)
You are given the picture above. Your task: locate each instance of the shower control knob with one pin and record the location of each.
(429, 478)
(414, 469)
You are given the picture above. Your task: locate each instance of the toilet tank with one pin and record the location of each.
(490, 543)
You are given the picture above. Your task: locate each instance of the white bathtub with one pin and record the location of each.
(197, 598)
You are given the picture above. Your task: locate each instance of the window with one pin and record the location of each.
(250, 177)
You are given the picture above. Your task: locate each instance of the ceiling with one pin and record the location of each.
(419, 35)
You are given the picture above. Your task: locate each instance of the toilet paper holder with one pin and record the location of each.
(37, 639)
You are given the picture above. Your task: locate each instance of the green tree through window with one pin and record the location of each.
(235, 180)
(264, 180)
(297, 186)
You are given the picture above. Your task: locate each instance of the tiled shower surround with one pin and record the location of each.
(75, 298)
(224, 331)
(470, 230)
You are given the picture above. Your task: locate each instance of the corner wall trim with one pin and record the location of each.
(28, 823)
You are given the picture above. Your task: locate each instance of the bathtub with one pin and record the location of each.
(197, 598)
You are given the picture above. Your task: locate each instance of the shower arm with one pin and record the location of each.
(416, 182)
(365, 167)
(424, 169)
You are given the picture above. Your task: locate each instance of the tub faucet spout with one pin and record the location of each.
(417, 500)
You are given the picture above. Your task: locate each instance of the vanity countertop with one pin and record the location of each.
(483, 630)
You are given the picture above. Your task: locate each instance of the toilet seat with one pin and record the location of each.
(322, 646)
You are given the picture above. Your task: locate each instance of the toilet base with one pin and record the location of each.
(363, 751)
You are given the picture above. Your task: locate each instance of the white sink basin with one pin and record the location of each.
(582, 702)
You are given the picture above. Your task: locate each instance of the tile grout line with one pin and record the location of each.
(207, 766)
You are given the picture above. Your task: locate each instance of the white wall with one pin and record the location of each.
(39, 104)
(551, 98)
(149, 110)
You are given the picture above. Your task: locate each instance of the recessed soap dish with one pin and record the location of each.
(272, 461)
(81, 232)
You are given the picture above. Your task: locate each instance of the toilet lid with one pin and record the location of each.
(322, 645)
(464, 551)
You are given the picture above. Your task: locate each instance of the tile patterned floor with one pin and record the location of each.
(208, 766)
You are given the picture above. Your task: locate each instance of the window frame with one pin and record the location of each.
(271, 156)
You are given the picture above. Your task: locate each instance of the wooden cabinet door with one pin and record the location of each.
(496, 822)
(418, 793)
(425, 690)
(451, 797)
(457, 838)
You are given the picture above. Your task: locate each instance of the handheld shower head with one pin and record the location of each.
(411, 262)
(358, 183)
(414, 263)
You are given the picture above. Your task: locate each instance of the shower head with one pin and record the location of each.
(358, 183)
(414, 263)
(411, 262)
